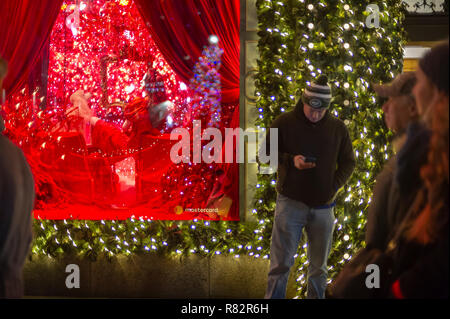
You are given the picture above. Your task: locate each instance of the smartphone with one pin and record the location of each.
(310, 159)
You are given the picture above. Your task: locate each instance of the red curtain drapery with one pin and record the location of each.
(180, 28)
(25, 28)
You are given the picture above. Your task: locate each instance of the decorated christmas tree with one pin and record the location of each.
(354, 43)
(206, 85)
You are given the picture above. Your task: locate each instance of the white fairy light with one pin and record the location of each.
(213, 39)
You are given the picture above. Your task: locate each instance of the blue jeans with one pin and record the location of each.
(290, 218)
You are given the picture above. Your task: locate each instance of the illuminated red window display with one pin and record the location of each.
(114, 163)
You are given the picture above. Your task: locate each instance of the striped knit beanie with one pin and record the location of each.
(318, 94)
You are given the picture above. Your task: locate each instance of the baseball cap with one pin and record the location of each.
(403, 84)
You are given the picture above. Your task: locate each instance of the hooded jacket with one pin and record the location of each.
(328, 141)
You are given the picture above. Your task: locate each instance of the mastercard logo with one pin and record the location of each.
(178, 210)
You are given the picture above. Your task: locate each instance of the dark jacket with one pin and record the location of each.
(382, 208)
(386, 207)
(411, 158)
(328, 141)
(396, 188)
(420, 271)
(16, 205)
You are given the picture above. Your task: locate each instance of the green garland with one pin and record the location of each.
(138, 236)
(294, 41)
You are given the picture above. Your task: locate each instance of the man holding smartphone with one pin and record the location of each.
(315, 160)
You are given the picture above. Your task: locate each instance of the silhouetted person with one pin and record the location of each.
(421, 256)
(16, 205)
(387, 207)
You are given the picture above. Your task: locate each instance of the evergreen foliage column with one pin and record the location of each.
(301, 39)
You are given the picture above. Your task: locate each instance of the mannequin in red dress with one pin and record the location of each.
(89, 148)
(141, 133)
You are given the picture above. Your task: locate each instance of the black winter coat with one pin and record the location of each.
(16, 205)
(421, 270)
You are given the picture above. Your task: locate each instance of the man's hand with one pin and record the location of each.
(299, 163)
